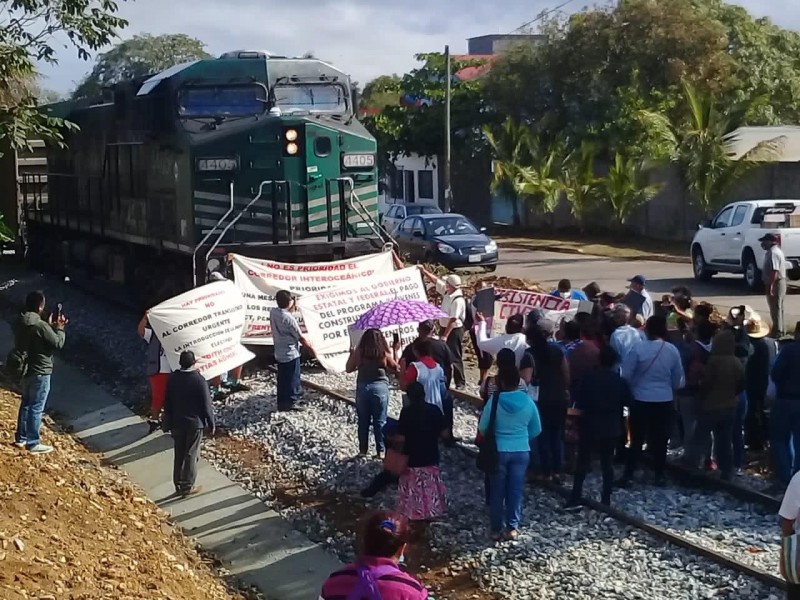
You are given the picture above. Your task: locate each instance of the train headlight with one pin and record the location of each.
(292, 149)
(291, 135)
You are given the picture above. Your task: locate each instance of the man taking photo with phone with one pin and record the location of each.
(35, 341)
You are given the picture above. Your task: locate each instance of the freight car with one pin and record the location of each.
(249, 152)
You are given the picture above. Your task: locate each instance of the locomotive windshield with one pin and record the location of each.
(311, 98)
(222, 101)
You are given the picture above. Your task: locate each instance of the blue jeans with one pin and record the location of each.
(738, 432)
(551, 450)
(372, 405)
(785, 430)
(289, 390)
(505, 490)
(35, 390)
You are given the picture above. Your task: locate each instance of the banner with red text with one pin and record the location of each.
(514, 302)
(328, 314)
(260, 280)
(207, 320)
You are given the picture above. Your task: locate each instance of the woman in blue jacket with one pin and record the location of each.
(517, 423)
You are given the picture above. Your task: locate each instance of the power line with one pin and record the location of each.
(547, 13)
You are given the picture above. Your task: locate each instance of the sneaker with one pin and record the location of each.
(153, 426)
(20, 444)
(573, 506)
(41, 449)
(220, 395)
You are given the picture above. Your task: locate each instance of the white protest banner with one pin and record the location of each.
(515, 302)
(207, 320)
(260, 280)
(328, 314)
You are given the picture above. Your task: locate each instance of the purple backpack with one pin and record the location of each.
(367, 586)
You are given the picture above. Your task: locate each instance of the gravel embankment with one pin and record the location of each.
(557, 556)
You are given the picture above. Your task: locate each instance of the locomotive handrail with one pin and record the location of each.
(205, 239)
(239, 216)
(383, 235)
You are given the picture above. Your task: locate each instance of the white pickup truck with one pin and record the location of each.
(729, 242)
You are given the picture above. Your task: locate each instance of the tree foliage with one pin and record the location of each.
(29, 33)
(420, 129)
(582, 187)
(700, 145)
(626, 187)
(381, 92)
(137, 57)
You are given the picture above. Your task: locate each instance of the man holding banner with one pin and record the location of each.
(452, 327)
(287, 338)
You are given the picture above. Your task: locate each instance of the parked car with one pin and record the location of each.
(728, 243)
(397, 212)
(449, 239)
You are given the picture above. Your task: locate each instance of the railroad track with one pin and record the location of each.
(626, 518)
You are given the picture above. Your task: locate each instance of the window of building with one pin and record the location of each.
(397, 185)
(425, 183)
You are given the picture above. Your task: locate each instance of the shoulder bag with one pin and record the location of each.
(488, 459)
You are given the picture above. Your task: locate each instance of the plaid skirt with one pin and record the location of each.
(421, 494)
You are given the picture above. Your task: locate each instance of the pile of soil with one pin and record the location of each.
(73, 528)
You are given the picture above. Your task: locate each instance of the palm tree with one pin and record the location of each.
(625, 187)
(6, 235)
(701, 146)
(509, 147)
(581, 186)
(540, 181)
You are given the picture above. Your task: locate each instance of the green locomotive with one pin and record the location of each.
(250, 153)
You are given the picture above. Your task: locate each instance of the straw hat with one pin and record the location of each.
(756, 327)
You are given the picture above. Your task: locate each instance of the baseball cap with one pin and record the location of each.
(640, 279)
(770, 237)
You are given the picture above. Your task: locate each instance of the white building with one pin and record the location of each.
(414, 179)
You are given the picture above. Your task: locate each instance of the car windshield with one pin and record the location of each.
(424, 210)
(451, 226)
(222, 101)
(310, 98)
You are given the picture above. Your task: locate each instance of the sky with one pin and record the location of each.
(365, 38)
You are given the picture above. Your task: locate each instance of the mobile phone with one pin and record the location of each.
(395, 339)
(58, 312)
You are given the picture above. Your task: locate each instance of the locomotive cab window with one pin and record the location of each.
(323, 146)
(222, 101)
(311, 98)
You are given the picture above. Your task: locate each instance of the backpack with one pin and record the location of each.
(367, 586)
(16, 364)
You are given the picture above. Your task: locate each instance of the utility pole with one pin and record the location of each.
(448, 193)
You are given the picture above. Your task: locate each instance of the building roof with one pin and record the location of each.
(786, 140)
(474, 71)
(506, 36)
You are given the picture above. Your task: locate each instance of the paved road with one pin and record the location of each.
(612, 275)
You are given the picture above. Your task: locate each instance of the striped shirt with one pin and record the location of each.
(395, 585)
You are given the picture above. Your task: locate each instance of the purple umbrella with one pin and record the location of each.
(398, 312)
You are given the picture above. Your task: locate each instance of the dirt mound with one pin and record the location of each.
(72, 528)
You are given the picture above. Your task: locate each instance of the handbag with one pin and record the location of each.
(790, 555)
(395, 462)
(488, 459)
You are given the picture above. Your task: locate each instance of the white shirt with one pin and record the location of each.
(453, 304)
(513, 341)
(162, 358)
(790, 506)
(647, 305)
